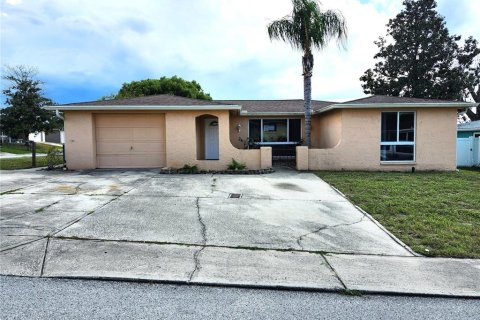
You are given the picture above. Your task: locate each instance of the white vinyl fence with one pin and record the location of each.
(468, 152)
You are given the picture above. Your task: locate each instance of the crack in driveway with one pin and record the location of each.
(203, 231)
(325, 227)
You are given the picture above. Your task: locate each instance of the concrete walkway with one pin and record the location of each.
(289, 230)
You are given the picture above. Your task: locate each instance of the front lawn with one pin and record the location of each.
(435, 213)
(25, 162)
(17, 148)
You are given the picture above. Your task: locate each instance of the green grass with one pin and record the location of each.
(15, 148)
(22, 149)
(435, 213)
(24, 163)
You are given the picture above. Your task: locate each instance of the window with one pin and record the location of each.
(398, 136)
(273, 131)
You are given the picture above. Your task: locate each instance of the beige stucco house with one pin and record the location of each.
(373, 133)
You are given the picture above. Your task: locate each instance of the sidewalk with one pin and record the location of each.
(226, 266)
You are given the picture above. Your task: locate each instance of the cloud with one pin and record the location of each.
(86, 49)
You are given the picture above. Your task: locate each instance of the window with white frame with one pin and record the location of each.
(398, 136)
(272, 131)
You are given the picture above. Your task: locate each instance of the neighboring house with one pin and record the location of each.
(468, 144)
(57, 136)
(373, 133)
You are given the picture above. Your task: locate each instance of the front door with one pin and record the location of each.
(211, 139)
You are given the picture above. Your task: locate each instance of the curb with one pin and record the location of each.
(357, 293)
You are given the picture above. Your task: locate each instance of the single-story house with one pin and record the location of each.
(468, 144)
(373, 133)
(56, 136)
(468, 129)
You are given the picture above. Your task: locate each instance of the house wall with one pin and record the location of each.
(327, 129)
(80, 149)
(181, 141)
(237, 138)
(359, 145)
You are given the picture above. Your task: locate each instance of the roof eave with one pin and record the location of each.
(468, 129)
(397, 105)
(164, 108)
(255, 114)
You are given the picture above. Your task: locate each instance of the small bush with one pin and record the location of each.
(190, 168)
(54, 157)
(235, 165)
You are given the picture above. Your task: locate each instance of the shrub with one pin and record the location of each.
(54, 157)
(190, 168)
(235, 165)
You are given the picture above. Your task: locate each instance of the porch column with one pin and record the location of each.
(265, 157)
(302, 158)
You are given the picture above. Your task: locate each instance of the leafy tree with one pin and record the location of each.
(174, 85)
(419, 58)
(469, 65)
(108, 97)
(24, 113)
(308, 28)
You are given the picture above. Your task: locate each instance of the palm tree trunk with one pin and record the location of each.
(307, 62)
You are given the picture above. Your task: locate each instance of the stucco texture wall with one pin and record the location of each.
(181, 140)
(358, 147)
(80, 152)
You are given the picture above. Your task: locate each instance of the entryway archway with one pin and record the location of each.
(207, 137)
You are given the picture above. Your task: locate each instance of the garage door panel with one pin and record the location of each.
(157, 120)
(111, 147)
(154, 133)
(113, 161)
(149, 147)
(114, 133)
(130, 120)
(112, 120)
(130, 140)
(150, 160)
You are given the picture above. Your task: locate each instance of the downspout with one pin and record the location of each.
(57, 113)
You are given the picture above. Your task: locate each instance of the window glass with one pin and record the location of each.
(389, 126)
(407, 126)
(295, 130)
(396, 153)
(274, 130)
(254, 130)
(398, 136)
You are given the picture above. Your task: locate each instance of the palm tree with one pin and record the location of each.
(308, 28)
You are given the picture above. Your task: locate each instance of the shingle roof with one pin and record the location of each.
(165, 101)
(391, 99)
(467, 126)
(273, 106)
(155, 100)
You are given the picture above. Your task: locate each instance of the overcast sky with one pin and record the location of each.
(86, 49)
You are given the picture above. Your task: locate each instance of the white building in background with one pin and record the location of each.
(57, 136)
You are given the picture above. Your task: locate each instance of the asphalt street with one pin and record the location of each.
(37, 298)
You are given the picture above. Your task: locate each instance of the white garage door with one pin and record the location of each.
(130, 140)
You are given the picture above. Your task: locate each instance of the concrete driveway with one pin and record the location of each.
(283, 230)
(286, 210)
